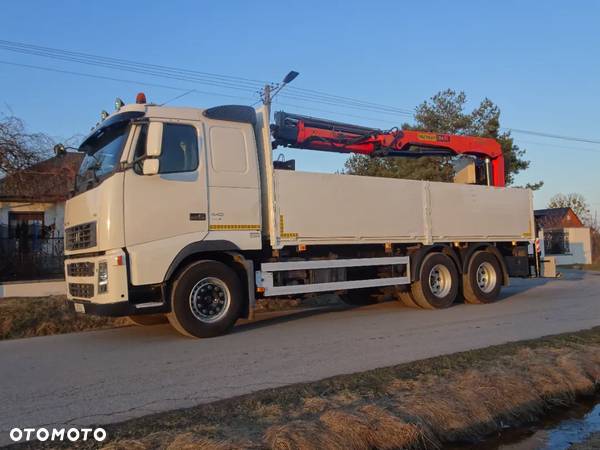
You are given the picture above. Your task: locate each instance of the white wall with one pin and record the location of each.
(33, 288)
(580, 247)
(54, 213)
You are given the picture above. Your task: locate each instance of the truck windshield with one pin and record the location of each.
(103, 151)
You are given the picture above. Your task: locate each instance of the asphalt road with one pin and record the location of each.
(108, 376)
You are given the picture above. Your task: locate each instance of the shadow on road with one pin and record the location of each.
(266, 319)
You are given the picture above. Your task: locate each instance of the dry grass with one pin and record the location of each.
(421, 405)
(42, 316)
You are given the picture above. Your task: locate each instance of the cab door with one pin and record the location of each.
(166, 211)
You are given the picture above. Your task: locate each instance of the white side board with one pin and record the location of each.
(315, 208)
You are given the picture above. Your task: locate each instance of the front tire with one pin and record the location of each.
(437, 286)
(206, 300)
(483, 280)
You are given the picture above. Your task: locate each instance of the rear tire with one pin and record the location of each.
(404, 295)
(483, 280)
(149, 319)
(206, 300)
(437, 285)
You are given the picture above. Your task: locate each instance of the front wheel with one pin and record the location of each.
(206, 299)
(483, 280)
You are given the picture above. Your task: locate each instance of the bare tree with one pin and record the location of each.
(20, 148)
(576, 202)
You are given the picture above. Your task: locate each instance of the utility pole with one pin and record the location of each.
(266, 95)
(271, 90)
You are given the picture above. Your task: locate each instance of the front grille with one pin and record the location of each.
(80, 236)
(81, 290)
(81, 269)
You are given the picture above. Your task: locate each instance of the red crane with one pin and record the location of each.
(297, 131)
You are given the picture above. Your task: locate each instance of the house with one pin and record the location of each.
(32, 217)
(565, 236)
(32, 201)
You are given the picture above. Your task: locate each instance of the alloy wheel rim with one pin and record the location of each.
(210, 300)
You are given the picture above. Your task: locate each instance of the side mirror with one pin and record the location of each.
(154, 139)
(150, 166)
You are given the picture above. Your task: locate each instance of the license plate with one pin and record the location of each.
(79, 308)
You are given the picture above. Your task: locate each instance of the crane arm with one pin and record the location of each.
(297, 131)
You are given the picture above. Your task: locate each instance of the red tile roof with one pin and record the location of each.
(50, 180)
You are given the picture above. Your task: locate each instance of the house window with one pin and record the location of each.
(26, 225)
(556, 242)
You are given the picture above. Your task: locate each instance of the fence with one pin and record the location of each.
(31, 258)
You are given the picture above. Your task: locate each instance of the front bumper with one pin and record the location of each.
(83, 280)
(116, 309)
(117, 298)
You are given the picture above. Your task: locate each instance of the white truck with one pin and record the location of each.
(182, 212)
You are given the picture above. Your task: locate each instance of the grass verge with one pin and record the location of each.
(426, 404)
(42, 316)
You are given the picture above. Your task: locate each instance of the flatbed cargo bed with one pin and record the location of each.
(314, 208)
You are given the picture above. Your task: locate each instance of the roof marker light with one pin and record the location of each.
(103, 115)
(119, 104)
(140, 98)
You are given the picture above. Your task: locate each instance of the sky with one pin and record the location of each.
(538, 61)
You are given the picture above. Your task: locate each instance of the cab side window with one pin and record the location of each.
(179, 149)
(140, 146)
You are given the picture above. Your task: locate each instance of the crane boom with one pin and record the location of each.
(298, 131)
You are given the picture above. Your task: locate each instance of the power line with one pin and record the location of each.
(553, 136)
(225, 81)
(122, 80)
(132, 68)
(362, 108)
(242, 84)
(567, 147)
(310, 108)
(22, 47)
(186, 91)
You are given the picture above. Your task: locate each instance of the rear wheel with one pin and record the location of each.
(404, 295)
(149, 319)
(483, 280)
(206, 299)
(437, 285)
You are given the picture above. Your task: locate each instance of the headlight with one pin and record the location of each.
(102, 277)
